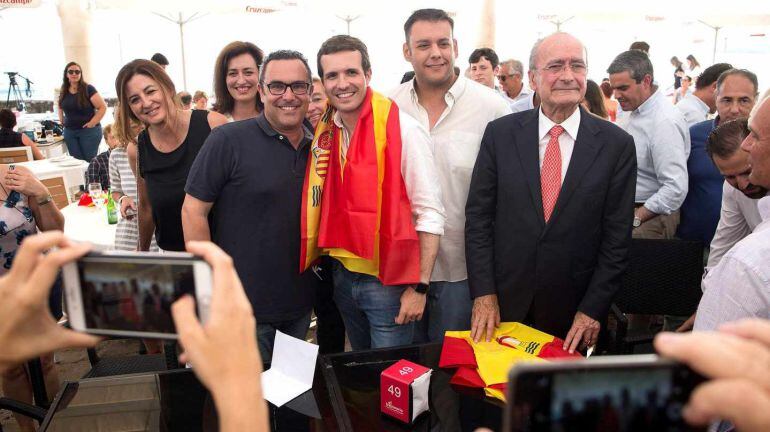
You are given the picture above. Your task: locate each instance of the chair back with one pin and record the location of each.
(15, 154)
(663, 278)
(58, 191)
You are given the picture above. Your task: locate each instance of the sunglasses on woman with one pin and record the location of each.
(73, 72)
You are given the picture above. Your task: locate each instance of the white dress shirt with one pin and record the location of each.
(693, 109)
(662, 141)
(566, 140)
(419, 172)
(524, 104)
(739, 286)
(737, 219)
(525, 93)
(455, 141)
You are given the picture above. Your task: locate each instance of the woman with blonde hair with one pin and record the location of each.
(164, 150)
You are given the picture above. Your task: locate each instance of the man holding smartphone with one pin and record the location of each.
(244, 192)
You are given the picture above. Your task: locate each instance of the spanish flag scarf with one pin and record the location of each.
(356, 209)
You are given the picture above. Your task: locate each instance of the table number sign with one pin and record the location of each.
(404, 390)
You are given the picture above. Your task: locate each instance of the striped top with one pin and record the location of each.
(122, 180)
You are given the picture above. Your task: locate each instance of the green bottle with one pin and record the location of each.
(112, 211)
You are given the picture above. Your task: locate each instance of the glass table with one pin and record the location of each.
(345, 397)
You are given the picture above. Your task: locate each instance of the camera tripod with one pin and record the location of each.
(13, 89)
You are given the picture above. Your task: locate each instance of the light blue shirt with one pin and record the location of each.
(662, 142)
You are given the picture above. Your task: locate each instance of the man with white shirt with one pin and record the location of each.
(371, 201)
(696, 106)
(456, 111)
(739, 286)
(511, 78)
(662, 143)
(484, 65)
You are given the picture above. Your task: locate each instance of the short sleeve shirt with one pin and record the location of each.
(254, 177)
(75, 116)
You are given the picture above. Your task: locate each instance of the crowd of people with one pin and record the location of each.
(450, 202)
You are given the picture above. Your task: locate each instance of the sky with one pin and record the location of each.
(120, 35)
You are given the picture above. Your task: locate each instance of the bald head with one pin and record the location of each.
(757, 144)
(557, 72)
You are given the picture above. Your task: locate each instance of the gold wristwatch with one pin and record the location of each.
(48, 198)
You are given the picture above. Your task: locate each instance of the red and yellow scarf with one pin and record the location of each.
(357, 210)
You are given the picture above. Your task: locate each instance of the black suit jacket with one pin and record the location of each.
(544, 273)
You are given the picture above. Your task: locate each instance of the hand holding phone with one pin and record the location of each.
(127, 207)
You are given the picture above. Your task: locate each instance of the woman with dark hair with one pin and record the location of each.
(236, 80)
(678, 71)
(9, 138)
(593, 101)
(81, 108)
(164, 150)
(611, 105)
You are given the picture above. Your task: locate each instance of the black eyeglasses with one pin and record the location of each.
(277, 88)
(73, 72)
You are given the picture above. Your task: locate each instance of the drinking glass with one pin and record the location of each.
(95, 190)
(49, 135)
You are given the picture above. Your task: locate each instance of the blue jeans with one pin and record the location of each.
(369, 310)
(83, 143)
(266, 333)
(448, 308)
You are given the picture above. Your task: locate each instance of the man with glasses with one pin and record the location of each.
(511, 77)
(548, 219)
(372, 201)
(244, 193)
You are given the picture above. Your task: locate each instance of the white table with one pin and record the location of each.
(73, 171)
(89, 224)
(56, 148)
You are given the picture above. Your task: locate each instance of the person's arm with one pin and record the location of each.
(146, 223)
(612, 260)
(36, 153)
(418, 169)
(480, 240)
(61, 115)
(27, 329)
(195, 219)
(668, 154)
(47, 216)
(224, 351)
(100, 107)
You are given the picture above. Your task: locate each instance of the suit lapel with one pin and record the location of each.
(583, 155)
(527, 147)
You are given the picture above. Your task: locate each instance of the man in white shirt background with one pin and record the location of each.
(484, 66)
(511, 77)
(696, 106)
(456, 111)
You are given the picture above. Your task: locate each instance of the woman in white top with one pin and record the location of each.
(694, 68)
(236, 81)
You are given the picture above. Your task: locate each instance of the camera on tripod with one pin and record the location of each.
(13, 89)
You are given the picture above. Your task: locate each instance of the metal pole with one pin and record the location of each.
(714, 54)
(181, 42)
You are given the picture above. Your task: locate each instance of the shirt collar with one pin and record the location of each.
(702, 105)
(648, 106)
(571, 124)
(269, 131)
(452, 95)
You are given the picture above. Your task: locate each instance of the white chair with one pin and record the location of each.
(15, 154)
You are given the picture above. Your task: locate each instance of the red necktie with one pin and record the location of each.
(550, 173)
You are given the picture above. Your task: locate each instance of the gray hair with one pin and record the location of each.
(634, 61)
(751, 76)
(765, 96)
(536, 48)
(516, 66)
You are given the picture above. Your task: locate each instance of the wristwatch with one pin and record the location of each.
(421, 288)
(48, 198)
(637, 221)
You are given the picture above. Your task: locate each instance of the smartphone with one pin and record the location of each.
(612, 393)
(129, 294)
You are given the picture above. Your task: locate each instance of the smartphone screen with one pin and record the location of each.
(630, 397)
(127, 296)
